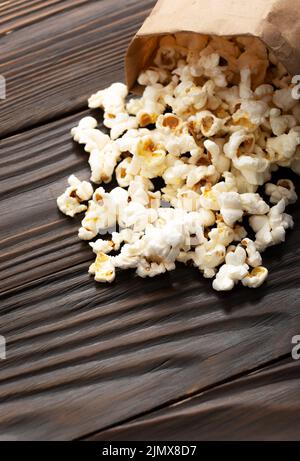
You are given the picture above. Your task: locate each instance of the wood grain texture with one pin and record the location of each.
(263, 406)
(20, 13)
(83, 356)
(53, 65)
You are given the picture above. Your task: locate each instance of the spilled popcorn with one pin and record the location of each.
(214, 121)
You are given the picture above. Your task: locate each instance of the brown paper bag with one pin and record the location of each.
(275, 22)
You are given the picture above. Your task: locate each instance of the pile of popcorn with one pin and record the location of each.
(217, 116)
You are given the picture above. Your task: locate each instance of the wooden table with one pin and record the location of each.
(164, 358)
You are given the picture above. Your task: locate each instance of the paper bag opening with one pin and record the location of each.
(275, 22)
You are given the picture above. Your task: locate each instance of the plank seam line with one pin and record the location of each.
(38, 20)
(46, 121)
(181, 399)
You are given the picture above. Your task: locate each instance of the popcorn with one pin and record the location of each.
(281, 123)
(103, 162)
(270, 229)
(283, 147)
(87, 134)
(207, 123)
(253, 204)
(216, 118)
(253, 256)
(284, 100)
(112, 99)
(230, 207)
(234, 269)
(255, 278)
(119, 124)
(284, 189)
(70, 202)
(103, 268)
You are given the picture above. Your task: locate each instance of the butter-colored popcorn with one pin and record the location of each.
(284, 189)
(270, 229)
(103, 268)
(234, 269)
(215, 120)
(170, 124)
(70, 202)
(111, 100)
(207, 123)
(123, 176)
(251, 114)
(256, 277)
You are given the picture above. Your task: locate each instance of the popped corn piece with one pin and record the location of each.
(284, 100)
(170, 124)
(208, 65)
(102, 246)
(103, 268)
(123, 176)
(151, 269)
(87, 134)
(240, 143)
(270, 229)
(245, 91)
(112, 99)
(218, 159)
(283, 147)
(253, 204)
(234, 269)
(230, 207)
(153, 75)
(124, 236)
(256, 277)
(150, 158)
(129, 256)
(281, 123)
(284, 189)
(78, 191)
(103, 162)
(253, 256)
(119, 124)
(206, 123)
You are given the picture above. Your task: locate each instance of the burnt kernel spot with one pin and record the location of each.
(73, 194)
(223, 62)
(284, 183)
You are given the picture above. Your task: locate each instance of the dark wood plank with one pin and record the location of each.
(34, 235)
(83, 356)
(53, 65)
(262, 406)
(20, 13)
